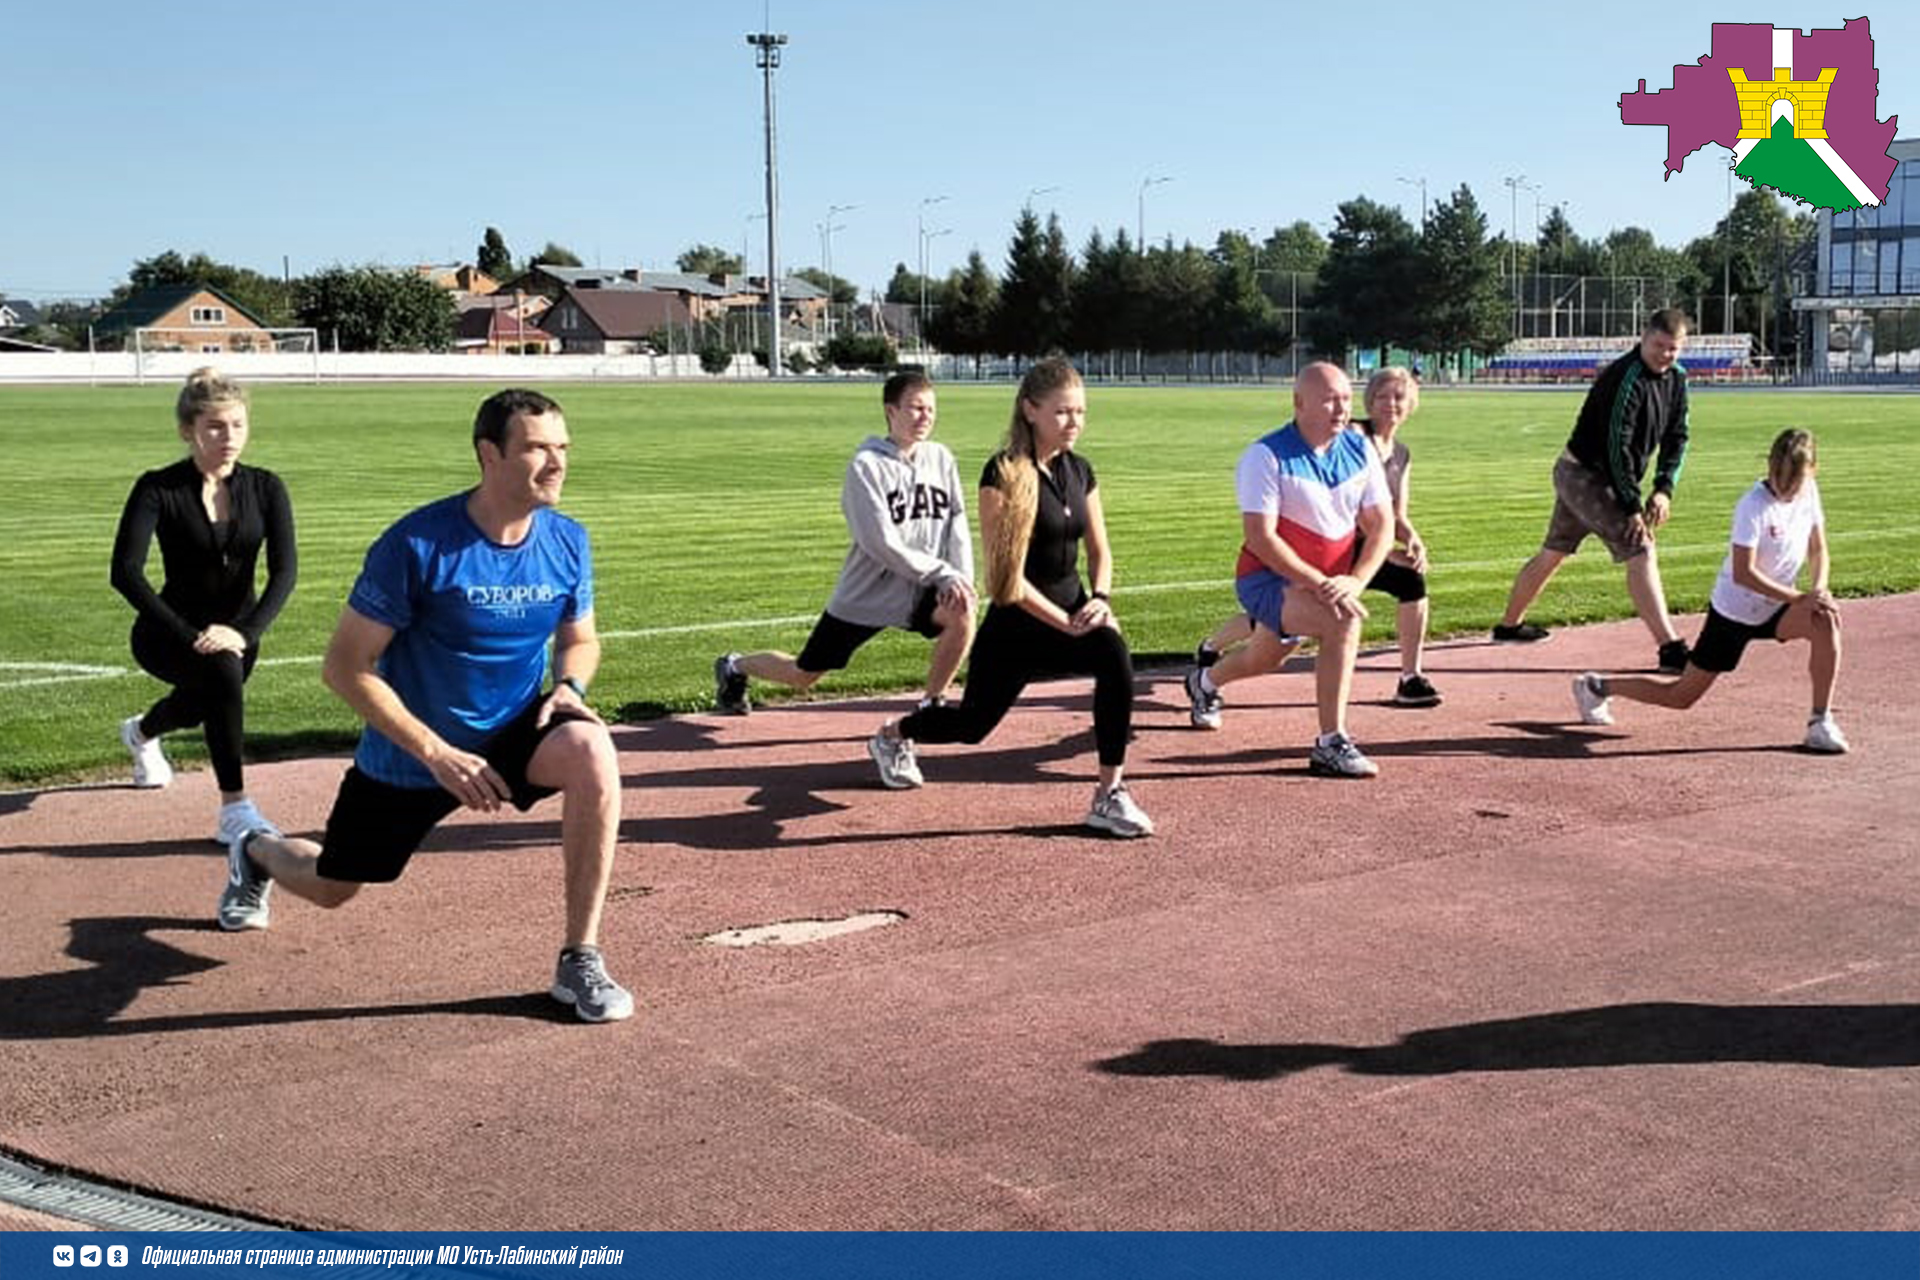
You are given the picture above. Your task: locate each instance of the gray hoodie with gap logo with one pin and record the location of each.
(908, 518)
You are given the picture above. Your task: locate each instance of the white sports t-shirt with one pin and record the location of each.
(1778, 532)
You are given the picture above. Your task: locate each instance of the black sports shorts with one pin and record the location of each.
(375, 826)
(834, 640)
(1722, 640)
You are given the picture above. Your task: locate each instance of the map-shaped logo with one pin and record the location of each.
(1796, 109)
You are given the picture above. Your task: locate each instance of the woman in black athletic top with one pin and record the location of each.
(1039, 502)
(200, 632)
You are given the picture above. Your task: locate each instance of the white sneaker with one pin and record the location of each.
(1115, 812)
(899, 771)
(150, 767)
(1824, 735)
(238, 818)
(1595, 707)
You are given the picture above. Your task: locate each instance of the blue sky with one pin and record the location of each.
(630, 129)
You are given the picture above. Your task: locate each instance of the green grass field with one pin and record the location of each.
(715, 517)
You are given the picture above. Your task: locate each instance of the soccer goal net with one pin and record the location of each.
(174, 352)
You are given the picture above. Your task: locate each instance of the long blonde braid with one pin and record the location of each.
(1018, 478)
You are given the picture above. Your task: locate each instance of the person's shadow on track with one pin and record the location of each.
(1620, 1035)
(124, 959)
(781, 793)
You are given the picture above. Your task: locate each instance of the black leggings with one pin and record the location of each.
(206, 690)
(1014, 648)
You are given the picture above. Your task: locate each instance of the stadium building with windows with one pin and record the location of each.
(1865, 311)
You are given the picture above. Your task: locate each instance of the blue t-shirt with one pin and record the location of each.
(471, 621)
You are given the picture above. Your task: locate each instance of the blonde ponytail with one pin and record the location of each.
(1018, 478)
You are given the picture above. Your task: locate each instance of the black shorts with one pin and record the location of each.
(1401, 581)
(1722, 640)
(375, 826)
(834, 640)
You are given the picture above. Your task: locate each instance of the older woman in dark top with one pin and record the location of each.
(200, 632)
(1039, 502)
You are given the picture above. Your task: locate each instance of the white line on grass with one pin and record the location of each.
(68, 672)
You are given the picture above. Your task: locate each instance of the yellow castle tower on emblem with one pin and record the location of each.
(1808, 99)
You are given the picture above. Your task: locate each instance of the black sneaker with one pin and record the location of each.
(1205, 655)
(730, 686)
(1519, 633)
(932, 703)
(1416, 691)
(1673, 657)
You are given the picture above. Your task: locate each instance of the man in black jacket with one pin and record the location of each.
(1638, 405)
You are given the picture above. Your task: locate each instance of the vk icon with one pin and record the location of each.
(63, 1255)
(89, 1255)
(116, 1255)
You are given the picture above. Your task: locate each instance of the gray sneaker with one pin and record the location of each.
(1340, 758)
(899, 771)
(580, 979)
(1115, 813)
(1203, 708)
(243, 902)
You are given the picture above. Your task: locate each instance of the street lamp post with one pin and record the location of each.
(826, 254)
(767, 45)
(1140, 226)
(1537, 255)
(1036, 191)
(920, 225)
(1513, 186)
(746, 241)
(926, 238)
(1422, 184)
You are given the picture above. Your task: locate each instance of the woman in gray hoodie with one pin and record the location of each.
(910, 565)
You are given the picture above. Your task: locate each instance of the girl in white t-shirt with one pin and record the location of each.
(1778, 528)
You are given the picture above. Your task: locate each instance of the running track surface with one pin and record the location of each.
(1537, 975)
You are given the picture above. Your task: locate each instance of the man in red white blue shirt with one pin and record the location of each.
(1308, 492)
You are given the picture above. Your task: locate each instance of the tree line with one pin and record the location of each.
(1375, 280)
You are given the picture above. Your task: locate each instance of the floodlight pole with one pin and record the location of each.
(766, 46)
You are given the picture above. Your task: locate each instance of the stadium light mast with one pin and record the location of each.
(766, 45)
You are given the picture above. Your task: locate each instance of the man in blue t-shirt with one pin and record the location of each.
(442, 651)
